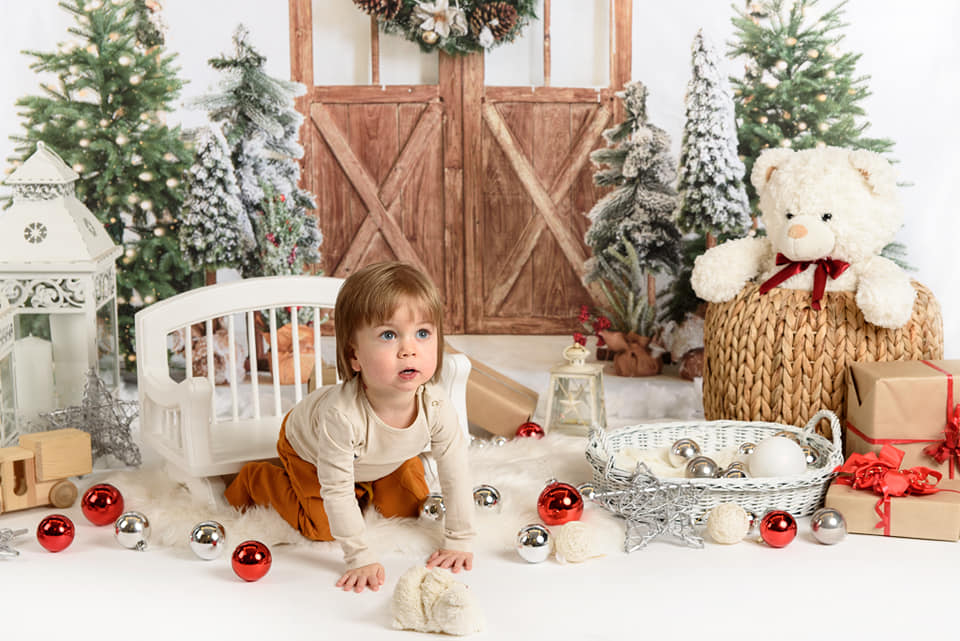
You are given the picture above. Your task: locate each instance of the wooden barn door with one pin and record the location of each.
(484, 188)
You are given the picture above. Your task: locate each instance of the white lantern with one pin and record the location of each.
(575, 400)
(8, 425)
(57, 271)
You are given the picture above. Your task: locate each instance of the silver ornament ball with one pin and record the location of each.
(208, 540)
(746, 449)
(812, 455)
(734, 473)
(737, 465)
(132, 530)
(433, 507)
(828, 526)
(533, 543)
(793, 436)
(487, 497)
(499, 441)
(682, 451)
(701, 467)
(587, 491)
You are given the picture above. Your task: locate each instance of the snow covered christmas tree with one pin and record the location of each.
(262, 127)
(712, 196)
(101, 111)
(632, 229)
(215, 231)
(799, 89)
(713, 201)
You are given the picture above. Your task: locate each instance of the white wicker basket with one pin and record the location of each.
(800, 495)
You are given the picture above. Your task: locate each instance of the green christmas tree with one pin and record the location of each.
(101, 112)
(633, 232)
(799, 89)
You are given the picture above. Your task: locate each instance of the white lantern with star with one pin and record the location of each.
(57, 271)
(575, 397)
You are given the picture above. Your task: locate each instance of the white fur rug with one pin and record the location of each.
(519, 469)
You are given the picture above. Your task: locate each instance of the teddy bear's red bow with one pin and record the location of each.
(825, 267)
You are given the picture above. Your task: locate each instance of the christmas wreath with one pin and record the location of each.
(457, 27)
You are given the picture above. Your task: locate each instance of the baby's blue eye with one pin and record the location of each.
(423, 333)
(388, 335)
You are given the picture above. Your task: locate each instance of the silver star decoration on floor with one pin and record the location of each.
(105, 418)
(652, 508)
(6, 542)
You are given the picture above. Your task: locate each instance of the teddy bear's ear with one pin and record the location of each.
(767, 162)
(876, 171)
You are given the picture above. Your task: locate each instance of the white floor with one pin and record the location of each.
(866, 586)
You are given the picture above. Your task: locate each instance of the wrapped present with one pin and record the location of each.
(877, 496)
(497, 403)
(909, 404)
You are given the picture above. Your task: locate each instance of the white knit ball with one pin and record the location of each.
(573, 542)
(777, 456)
(728, 523)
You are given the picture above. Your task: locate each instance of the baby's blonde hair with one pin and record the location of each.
(371, 295)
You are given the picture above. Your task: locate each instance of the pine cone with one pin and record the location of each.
(385, 9)
(500, 17)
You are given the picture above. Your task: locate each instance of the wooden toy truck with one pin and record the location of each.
(35, 473)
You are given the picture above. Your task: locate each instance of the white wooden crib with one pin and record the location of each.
(204, 430)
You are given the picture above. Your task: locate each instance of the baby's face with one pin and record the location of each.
(399, 354)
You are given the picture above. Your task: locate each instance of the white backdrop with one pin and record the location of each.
(909, 49)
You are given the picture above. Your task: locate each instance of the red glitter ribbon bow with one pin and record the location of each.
(825, 267)
(880, 473)
(949, 447)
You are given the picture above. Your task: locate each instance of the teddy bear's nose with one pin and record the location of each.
(797, 231)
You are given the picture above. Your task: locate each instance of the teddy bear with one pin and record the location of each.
(433, 601)
(828, 213)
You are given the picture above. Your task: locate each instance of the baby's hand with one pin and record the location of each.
(453, 560)
(371, 576)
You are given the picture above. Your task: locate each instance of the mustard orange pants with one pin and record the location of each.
(293, 490)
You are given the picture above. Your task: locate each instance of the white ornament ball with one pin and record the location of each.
(728, 523)
(125, 61)
(147, 206)
(573, 542)
(122, 140)
(777, 456)
(145, 176)
(84, 143)
(78, 168)
(172, 182)
(136, 79)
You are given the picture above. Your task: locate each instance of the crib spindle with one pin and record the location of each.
(275, 360)
(211, 374)
(188, 350)
(254, 375)
(232, 372)
(317, 361)
(295, 327)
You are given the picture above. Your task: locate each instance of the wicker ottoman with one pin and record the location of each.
(773, 358)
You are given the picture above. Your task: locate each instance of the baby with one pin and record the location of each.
(358, 442)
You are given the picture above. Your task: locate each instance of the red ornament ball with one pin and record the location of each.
(559, 503)
(530, 430)
(102, 504)
(55, 533)
(251, 560)
(778, 528)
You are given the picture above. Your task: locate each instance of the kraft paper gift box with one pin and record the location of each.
(497, 403)
(908, 404)
(933, 516)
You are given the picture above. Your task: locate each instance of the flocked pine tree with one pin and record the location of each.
(713, 201)
(103, 93)
(799, 89)
(215, 232)
(632, 228)
(262, 128)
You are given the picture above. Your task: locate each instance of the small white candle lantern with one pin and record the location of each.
(57, 271)
(8, 425)
(575, 396)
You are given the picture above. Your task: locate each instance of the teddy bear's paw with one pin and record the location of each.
(886, 304)
(712, 285)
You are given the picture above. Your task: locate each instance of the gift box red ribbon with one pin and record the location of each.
(825, 267)
(947, 448)
(880, 473)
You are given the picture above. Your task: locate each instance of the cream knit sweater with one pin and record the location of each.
(336, 429)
